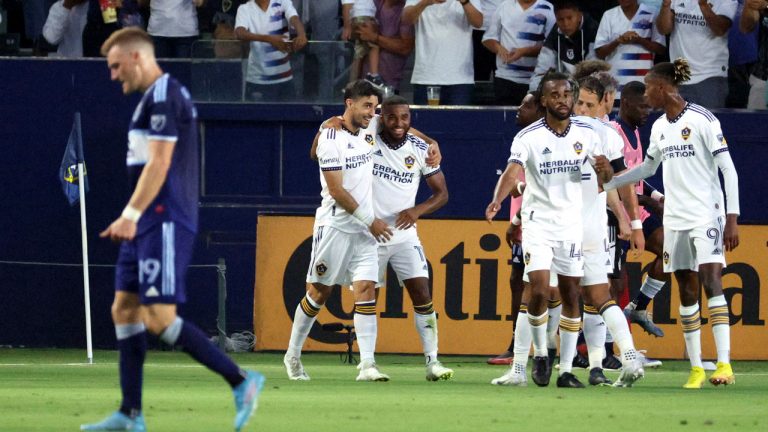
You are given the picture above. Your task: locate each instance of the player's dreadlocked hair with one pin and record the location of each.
(676, 73)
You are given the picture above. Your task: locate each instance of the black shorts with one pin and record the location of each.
(618, 247)
(651, 224)
(517, 257)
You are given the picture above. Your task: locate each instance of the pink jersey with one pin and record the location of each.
(632, 158)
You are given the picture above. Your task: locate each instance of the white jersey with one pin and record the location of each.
(514, 27)
(693, 39)
(397, 173)
(553, 164)
(594, 202)
(630, 62)
(687, 146)
(352, 155)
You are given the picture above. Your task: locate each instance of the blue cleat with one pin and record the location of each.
(117, 422)
(246, 398)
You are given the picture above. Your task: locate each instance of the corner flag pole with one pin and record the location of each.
(84, 236)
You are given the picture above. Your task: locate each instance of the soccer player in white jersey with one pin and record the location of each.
(601, 313)
(698, 228)
(398, 167)
(552, 151)
(344, 246)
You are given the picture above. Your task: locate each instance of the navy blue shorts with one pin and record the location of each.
(618, 247)
(517, 257)
(651, 224)
(154, 264)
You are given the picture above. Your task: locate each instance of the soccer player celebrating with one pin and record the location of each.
(399, 164)
(344, 245)
(697, 228)
(552, 151)
(157, 232)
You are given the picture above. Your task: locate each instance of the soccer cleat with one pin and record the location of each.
(643, 319)
(696, 378)
(117, 422)
(723, 375)
(611, 363)
(569, 380)
(294, 368)
(511, 378)
(648, 362)
(631, 372)
(504, 358)
(598, 378)
(376, 80)
(541, 371)
(437, 372)
(551, 354)
(370, 372)
(247, 398)
(581, 362)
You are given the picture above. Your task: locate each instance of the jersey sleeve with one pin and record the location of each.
(241, 18)
(328, 155)
(614, 144)
(713, 138)
(604, 36)
(494, 26)
(518, 152)
(163, 124)
(426, 170)
(290, 11)
(654, 149)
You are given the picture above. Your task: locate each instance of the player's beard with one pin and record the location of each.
(558, 115)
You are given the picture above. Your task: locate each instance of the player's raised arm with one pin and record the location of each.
(640, 172)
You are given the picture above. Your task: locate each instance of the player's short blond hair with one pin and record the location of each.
(133, 37)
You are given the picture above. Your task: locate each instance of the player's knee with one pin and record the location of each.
(319, 294)
(123, 313)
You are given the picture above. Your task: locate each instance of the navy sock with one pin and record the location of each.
(609, 348)
(641, 301)
(204, 351)
(133, 350)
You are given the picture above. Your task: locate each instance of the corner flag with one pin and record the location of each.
(69, 171)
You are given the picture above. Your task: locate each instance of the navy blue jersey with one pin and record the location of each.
(166, 113)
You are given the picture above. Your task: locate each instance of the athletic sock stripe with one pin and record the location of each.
(524, 308)
(695, 315)
(308, 309)
(537, 322)
(425, 309)
(606, 305)
(590, 310)
(719, 321)
(572, 326)
(554, 303)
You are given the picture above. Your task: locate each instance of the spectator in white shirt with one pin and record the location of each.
(443, 48)
(173, 26)
(516, 33)
(64, 27)
(264, 23)
(698, 32)
(628, 39)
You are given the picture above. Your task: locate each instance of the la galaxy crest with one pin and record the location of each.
(409, 161)
(665, 257)
(321, 268)
(722, 140)
(369, 139)
(578, 147)
(686, 133)
(527, 258)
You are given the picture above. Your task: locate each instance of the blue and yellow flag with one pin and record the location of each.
(68, 172)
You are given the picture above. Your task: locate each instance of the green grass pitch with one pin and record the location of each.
(51, 390)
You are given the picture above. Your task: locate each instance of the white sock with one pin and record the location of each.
(651, 287)
(303, 318)
(426, 327)
(538, 326)
(594, 335)
(523, 338)
(553, 323)
(569, 336)
(691, 322)
(617, 326)
(719, 318)
(366, 329)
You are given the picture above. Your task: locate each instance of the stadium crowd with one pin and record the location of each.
(500, 48)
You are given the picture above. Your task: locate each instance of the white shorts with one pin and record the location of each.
(342, 258)
(407, 259)
(597, 264)
(562, 257)
(687, 249)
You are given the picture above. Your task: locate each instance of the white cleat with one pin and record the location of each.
(294, 368)
(370, 372)
(437, 372)
(647, 362)
(512, 378)
(631, 372)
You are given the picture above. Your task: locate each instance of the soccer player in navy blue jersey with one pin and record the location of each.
(156, 232)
